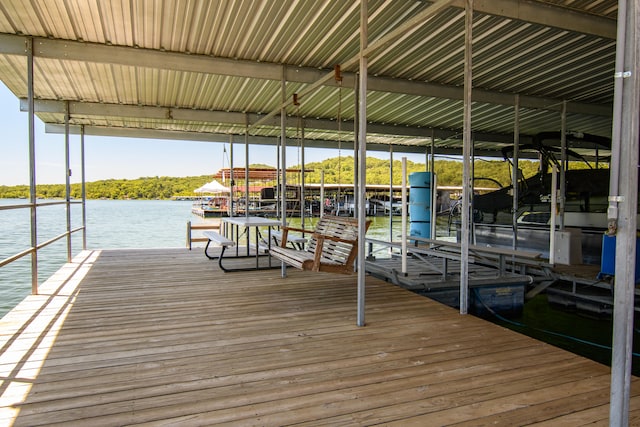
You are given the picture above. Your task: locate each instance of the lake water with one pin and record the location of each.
(111, 224)
(115, 224)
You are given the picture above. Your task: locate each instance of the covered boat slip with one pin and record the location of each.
(162, 337)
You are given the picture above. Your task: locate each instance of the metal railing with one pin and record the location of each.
(33, 205)
(33, 250)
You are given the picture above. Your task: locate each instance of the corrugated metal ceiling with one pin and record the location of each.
(170, 54)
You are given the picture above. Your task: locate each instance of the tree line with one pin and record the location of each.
(337, 170)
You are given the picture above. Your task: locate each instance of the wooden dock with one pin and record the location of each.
(163, 337)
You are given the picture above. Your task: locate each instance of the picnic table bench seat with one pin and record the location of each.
(220, 240)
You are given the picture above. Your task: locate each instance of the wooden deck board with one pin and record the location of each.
(163, 337)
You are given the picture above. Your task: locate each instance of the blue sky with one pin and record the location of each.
(130, 158)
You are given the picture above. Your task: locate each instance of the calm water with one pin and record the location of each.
(111, 224)
(153, 224)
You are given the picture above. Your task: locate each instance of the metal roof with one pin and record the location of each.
(203, 70)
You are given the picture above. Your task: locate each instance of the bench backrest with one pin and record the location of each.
(345, 228)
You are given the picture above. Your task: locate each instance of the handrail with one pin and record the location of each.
(40, 246)
(8, 207)
(15, 257)
(63, 202)
(29, 205)
(58, 237)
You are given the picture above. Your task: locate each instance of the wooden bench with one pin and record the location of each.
(219, 240)
(332, 246)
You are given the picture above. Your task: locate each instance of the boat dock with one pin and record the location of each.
(497, 277)
(162, 336)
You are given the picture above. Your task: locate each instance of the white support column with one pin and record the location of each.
(362, 137)
(467, 184)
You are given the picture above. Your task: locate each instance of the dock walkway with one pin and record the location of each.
(163, 337)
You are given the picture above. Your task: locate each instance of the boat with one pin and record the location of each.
(578, 243)
(586, 190)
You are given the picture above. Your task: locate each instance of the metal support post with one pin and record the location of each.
(67, 178)
(322, 193)
(84, 190)
(362, 137)
(625, 152)
(246, 166)
(564, 164)
(231, 178)
(32, 169)
(390, 194)
(283, 157)
(467, 183)
(302, 179)
(554, 208)
(404, 216)
(516, 169)
(432, 166)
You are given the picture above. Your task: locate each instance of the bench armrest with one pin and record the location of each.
(302, 230)
(285, 234)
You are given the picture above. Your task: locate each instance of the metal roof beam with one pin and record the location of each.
(128, 56)
(266, 140)
(548, 15)
(88, 109)
(77, 108)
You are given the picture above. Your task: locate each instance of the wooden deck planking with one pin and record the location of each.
(163, 337)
